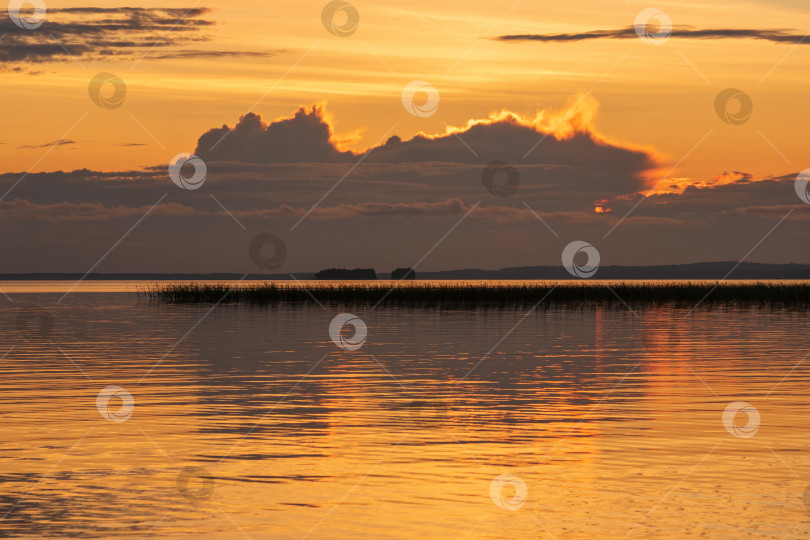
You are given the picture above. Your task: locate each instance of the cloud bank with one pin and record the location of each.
(389, 209)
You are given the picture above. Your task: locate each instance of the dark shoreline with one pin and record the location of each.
(473, 295)
(689, 271)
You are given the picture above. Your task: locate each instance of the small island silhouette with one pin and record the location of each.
(403, 273)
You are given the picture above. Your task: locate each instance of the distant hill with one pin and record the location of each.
(708, 270)
(343, 273)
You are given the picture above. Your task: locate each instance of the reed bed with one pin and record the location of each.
(793, 294)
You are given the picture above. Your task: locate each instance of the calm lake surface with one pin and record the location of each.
(245, 421)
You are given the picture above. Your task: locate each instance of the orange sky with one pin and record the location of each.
(649, 95)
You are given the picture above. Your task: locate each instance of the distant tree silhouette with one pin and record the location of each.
(403, 273)
(343, 273)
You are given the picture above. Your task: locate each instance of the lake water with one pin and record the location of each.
(122, 417)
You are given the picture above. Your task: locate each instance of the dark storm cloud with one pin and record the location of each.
(93, 33)
(578, 163)
(304, 138)
(777, 36)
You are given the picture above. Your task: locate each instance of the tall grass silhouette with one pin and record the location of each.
(501, 293)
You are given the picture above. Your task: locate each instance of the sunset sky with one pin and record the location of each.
(646, 109)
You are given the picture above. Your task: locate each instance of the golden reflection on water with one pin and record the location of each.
(254, 422)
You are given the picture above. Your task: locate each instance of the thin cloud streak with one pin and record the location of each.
(774, 35)
(45, 145)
